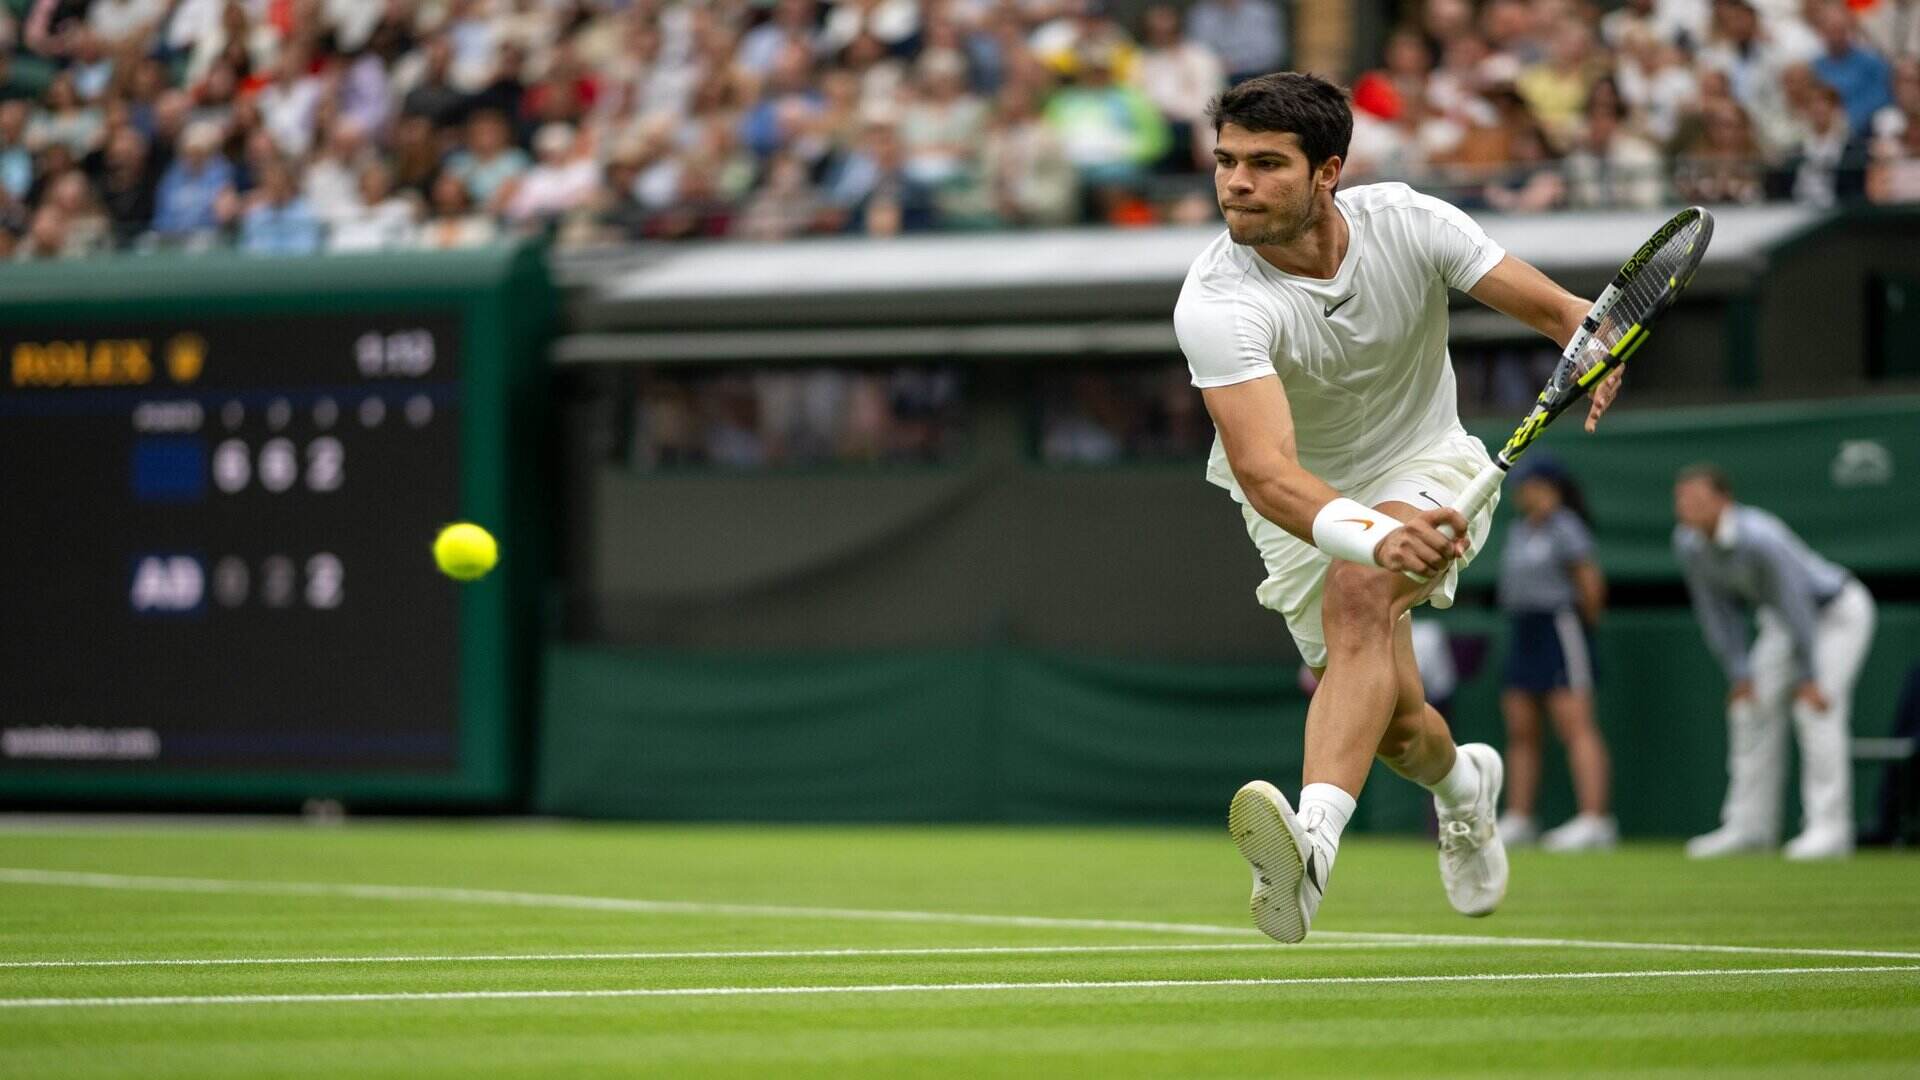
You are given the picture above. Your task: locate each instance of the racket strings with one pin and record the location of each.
(1657, 277)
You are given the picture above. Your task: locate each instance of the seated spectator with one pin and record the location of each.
(1720, 161)
(277, 220)
(46, 236)
(1862, 76)
(118, 23)
(1249, 36)
(66, 119)
(288, 104)
(788, 105)
(941, 128)
(378, 219)
(453, 222)
(86, 227)
(1025, 173)
(1556, 88)
(1611, 166)
(1181, 76)
(127, 183)
(1656, 85)
(1831, 161)
(489, 159)
(794, 23)
(434, 96)
(189, 202)
(1112, 133)
(1894, 175)
(16, 161)
(890, 23)
(873, 190)
(331, 183)
(565, 179)
(1532, 181)
(786, 206)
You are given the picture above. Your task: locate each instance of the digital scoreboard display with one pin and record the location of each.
(215, 552)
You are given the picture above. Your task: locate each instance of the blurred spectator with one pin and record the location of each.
(1249, 36)
(489, 161)
(890, 23)
(1656, 85)
(1862, 76)
(85, 227)
(874, 190)
(288, 103)
(1892, 28)
(1831, 162)
(941, 127)
(127, 182)
(1181, 76)
(787, 106)
(1531, 181)
(46, 236)
(1025, 174)
(1112, 133)
(332, 176)
(565, 179)
(792, 24)
(788, 205)
(1720, 162)
(434, 96)
(16, 161)
(1894, 175)
(66, 119)
(277, 220)
(453, 222)
(378, 218)
(1556, 88)
(189, 203)
(1610, 165)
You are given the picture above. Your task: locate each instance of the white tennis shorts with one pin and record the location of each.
(1297, 571)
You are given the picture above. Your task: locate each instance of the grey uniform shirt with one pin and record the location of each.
(1536, 566)
(1754, 561)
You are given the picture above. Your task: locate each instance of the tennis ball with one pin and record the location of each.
(465, 551)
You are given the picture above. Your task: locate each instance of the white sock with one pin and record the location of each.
(1460, 786)
(1325, 810)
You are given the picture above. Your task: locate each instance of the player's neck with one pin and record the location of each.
(1319, 249)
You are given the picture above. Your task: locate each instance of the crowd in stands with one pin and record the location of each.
(286, 126)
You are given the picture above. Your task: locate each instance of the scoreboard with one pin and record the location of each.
(215, 577)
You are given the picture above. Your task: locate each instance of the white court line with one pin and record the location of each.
(923, 988)
(74, 879)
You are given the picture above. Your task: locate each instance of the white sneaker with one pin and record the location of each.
(1725, 840)
(1473, 861)
(1583, 832)
(1517, 830)
(1289, 876)
(1819, 843)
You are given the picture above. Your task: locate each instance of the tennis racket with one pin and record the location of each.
(1614, 329)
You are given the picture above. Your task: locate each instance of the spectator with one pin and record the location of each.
(288, 103)
(378, 218)
(86, 227)
(277, 220)
(1894, 175)
(1025, 175)
(1862, 76)
(890, 23)
(1181, 76)
(127, 182)
(46, 236)
(67, 120)
(1249, 36)
(873, 190)
(1892, 28)
(114, 24)
(454, 222)
(565, 179)
(434, 96)
(1611, 166)
(787, 206)
(331, 183)
(1556, 88)
(1831, 163)
(788, 106)
(793, 24)
(1112, 133)
(1532, 182)
(941, 129)
(16, 161)
(1720, 162)
(489, 160)
(189, 203)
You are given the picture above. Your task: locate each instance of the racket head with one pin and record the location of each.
(1618, 324)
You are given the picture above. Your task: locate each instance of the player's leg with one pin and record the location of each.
(1841, 642)
(1521, 710)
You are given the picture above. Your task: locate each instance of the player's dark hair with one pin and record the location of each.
(1306, 105)
(1708, 473)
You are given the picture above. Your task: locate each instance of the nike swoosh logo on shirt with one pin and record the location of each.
(1328, 313)
(1430, 498)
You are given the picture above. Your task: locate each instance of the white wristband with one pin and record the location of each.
(1349, 530)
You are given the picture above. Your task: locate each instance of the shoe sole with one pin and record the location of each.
(1258, 821)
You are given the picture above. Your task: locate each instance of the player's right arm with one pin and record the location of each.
(1255, 423)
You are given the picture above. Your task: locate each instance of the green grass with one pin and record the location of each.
(1843, 1023)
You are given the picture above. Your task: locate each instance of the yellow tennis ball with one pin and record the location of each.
(465, 551)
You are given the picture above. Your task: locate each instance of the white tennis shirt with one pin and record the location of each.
(1363, 355)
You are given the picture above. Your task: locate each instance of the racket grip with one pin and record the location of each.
(1469, 502)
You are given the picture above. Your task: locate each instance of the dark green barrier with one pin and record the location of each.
(1010, 734)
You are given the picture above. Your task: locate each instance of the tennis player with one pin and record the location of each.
(1316, 330)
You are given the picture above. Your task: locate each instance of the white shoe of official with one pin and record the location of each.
(1726, 840)
(1289, 876)
(1819, 843)
(1473, 861)
(1583, 832)
(1517, 830)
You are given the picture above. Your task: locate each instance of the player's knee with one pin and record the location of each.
(1357, 598)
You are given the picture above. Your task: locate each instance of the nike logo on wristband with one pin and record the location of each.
(1362, 522)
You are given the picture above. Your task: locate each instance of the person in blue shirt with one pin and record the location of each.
(1552, 592)
(191, 201)
(1863, 77)
(279, 222)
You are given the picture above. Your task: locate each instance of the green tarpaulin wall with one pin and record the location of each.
(1011, 734)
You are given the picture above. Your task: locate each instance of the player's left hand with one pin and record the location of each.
(1603, 396)
(1808, 694)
